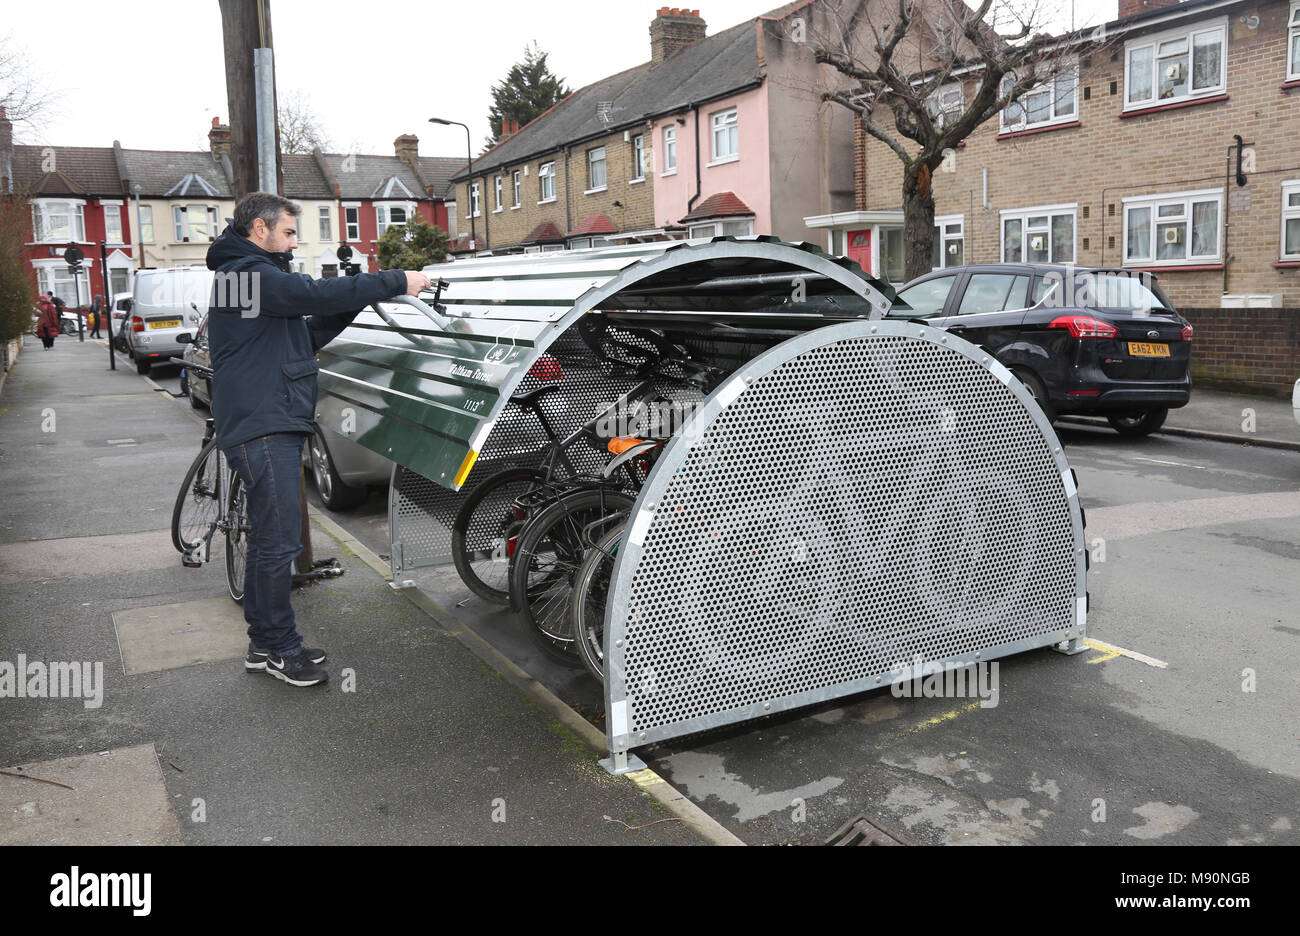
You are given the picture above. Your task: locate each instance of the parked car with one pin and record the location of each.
(69, 321)
(197, 388)
(119, 316)
(1082, 340)
(1295, 401)
(165, 304)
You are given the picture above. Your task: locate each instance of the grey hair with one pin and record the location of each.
(264, 205)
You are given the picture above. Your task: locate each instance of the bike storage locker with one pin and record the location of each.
(856, 496)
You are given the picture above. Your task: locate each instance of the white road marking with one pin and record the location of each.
(1161, 461)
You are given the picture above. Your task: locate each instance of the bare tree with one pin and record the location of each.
(24, 98)
(904, 58)
(300, 128)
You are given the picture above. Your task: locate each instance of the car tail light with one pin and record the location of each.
(546, 368)
(1187, 333)
(1083, 326)
(137, 324)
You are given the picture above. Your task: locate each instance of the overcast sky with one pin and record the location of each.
(149, 72)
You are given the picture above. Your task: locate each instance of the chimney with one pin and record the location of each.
(6, 154)
(508, 129)
(1129, 8)
(672, 30)
(407, 148)
(219, 139)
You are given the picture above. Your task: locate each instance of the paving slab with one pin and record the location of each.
(163, 637)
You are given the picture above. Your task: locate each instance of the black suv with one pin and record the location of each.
(1082, 340)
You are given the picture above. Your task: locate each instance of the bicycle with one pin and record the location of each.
(212, 499)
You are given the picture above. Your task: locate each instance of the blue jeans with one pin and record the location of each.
(270, 467)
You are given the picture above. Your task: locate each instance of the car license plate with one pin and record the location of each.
(1146, 349)
(170, 323)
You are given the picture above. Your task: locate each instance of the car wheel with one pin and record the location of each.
(1038, 392)
(141, 366)
(1138, 422)
(185, 384)
(194, 398)
(334, 493)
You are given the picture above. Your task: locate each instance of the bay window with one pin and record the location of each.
(1175, 66)
(58, 221)
(1181, 228)
(722, 229)
(1038, 235)
(387, 216)
(194, 223)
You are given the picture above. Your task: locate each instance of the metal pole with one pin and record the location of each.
(76, 295)
(264, 95)
(108, 302)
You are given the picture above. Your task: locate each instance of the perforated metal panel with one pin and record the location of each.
(849, 500)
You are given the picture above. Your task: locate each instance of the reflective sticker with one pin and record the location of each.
(640, 526)
(465, 466)
(1081, 611)
(618, 718)
(728, 392)
(999, 371)
(1068, 480)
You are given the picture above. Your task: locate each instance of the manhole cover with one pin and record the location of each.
(863, 831)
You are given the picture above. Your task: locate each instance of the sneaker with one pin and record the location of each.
(255, 662)
(296, 670)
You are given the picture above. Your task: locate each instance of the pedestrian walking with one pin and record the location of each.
(47, 328)
(264, 401)
(96, 313)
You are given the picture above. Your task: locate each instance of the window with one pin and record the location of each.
(723, 229)
(194, 223)
(638, 157)
(326, 223)
(1176, 66)
(670, 150)
(546, 181)
(949, 242)
(60, 221)
(580, 243)
(946, 104)
(893, 254)
(112, 222)
(500, 202)
(993, 292)
(55, 278)
(389, 215)
(118, 280)
(475, 205)
(1293, 45)
(1052, 102)
(352, 221)
(726, 135)
(596, 169)
(517, 178)
(1172, 229)
(1291, 220)
(926, 299)
(146, 224)
(1039, 235)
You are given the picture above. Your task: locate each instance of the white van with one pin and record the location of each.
(165, 304)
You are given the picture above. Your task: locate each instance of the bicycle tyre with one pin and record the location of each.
(197, 508)
(590, 594)
(550, 550)
(483, 524)
(236, 538)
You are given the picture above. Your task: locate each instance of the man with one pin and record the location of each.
(96, 310)
(264, 400)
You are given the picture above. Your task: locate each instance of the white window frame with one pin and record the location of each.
(724, 125)
(719, 227)
(582, 243)
(1051, 87)
(325, 223)
(75, 210)
(1186, 199)
(940, 113)
(1293, 43)
(181, 223)
(638, 158)
(384, 215)
(670, 151)
(475, 201)
(1051, 212)
(1290, 187)
(352, 229)
(49, 273)
(112, 209)
(518, 185)
(545, 175)
(499, 191)
(941, 222)
(592, 187)
(1153, 42)
(145, 222)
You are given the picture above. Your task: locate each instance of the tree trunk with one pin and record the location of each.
(918, 221)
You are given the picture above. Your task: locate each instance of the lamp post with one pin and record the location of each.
(469, 185)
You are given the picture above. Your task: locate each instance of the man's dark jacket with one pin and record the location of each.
(264, 365)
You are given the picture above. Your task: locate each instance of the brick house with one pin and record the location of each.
(1128, 162)
(721, 134)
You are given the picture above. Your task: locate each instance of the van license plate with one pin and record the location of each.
(176, 323)
(1144, 349)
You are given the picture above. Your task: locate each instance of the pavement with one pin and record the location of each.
(424, 734)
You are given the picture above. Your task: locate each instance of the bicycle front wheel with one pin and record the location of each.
(591, 588)
(236, 538)
(486, 531)
(551, 548)
(198, 505)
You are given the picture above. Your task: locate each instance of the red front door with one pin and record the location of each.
(859, 248)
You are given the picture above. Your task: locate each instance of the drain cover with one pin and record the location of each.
(863, 831)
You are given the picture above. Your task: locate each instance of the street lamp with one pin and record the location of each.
(469, 186)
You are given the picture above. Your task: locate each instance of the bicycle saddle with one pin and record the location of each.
(529, 398)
